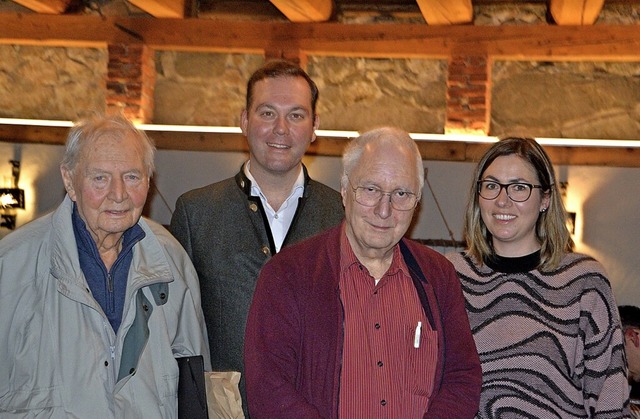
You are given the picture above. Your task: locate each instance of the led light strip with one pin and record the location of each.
(566, 142)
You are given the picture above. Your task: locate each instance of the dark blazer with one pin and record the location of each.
(226, 233)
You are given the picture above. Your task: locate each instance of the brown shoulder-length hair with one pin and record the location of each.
(551, 228)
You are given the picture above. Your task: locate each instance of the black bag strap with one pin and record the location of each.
(417, 276)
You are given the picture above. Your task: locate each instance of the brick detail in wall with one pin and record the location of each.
(131, 76)
(468, 85)
(293, 55)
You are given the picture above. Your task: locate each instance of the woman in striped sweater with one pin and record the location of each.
(543, 317)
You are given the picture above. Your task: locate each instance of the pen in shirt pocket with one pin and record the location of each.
(416, 339)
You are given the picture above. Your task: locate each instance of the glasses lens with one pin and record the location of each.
(519, 192)
(402, 200)
(489, 190)
(370, 197)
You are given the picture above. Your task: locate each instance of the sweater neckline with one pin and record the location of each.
(514, 264)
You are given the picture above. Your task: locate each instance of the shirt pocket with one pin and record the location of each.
(420, 368)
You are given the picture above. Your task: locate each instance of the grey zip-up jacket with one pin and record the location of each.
(59, 356)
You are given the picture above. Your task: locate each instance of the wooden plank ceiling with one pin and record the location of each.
(447, 32)
(435, 12)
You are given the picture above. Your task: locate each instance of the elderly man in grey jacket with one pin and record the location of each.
(96, 302)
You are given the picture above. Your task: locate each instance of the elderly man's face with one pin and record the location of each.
(109, 185)
(373, 231)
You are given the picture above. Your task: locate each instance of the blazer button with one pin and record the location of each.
(265, 250)
(253, 207)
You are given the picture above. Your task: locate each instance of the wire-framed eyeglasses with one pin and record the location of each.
(370, 196)
(517, 192)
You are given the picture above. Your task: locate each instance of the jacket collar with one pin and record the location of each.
(149, 264)
(244, 183)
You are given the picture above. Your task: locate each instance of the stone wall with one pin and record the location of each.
(572, 100)
(51, 83)
(546, 99)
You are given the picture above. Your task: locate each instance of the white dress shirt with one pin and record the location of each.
(279, 221)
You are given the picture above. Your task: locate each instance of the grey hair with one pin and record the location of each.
(88, 130)
(383, 135)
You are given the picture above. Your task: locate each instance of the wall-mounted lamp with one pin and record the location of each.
(11, 198)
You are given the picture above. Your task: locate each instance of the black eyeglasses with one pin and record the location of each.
(517, 192)
(370, 196)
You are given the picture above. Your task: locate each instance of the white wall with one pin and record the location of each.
(607, 200)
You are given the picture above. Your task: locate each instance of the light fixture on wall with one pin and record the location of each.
(11, 198)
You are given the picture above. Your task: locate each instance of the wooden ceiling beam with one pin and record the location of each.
(305, 10)
(531, 42)
(55, 7)
(161, 8)
(575, 12)
(446, 12)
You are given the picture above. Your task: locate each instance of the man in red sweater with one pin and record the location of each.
(358, 321)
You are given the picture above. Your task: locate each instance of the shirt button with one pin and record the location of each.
(265, 250)
(275, 216)
(377, 326)
(383, 402)
(253, 207)
(380, 363)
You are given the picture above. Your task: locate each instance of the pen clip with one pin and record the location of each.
(416, 339)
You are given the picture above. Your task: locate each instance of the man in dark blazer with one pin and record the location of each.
(230, 229)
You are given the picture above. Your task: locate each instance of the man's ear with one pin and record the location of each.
(316, 125)
(244, 117)
(67, 179)
(633, 335)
